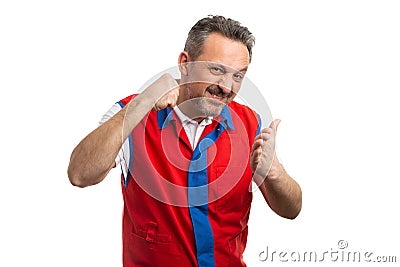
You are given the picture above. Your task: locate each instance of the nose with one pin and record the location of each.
(226, 84)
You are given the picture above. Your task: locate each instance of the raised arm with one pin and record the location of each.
(94, 156)
(282, 193)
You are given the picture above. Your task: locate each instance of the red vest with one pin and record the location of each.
(185, 207)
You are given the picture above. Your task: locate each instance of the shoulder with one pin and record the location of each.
(123, 102)
(243, 111)
(246, 116)
(116, 108)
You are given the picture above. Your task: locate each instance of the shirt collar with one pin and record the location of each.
(226, 117)
(185, 119)
(164, 117)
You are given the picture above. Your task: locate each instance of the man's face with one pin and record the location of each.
(214, 79)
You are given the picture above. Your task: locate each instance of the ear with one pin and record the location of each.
(183, 59)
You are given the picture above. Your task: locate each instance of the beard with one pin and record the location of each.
(207, 107)
(200, 106)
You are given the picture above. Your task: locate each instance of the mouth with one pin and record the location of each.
(216, 93)
(216, 97)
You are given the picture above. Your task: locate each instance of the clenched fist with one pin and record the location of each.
(169, 92)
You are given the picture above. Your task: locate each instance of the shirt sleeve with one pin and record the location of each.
(123, 156)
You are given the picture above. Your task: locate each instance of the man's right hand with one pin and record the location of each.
(170, 95)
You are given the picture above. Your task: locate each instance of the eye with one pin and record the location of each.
(238, 76)
(216, 70)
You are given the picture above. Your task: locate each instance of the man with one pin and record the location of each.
(188, 155)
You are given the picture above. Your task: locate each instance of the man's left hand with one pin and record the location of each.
(263, 160)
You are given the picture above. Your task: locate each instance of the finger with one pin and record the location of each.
(257, 143)
(263, 131)
(266, 130)
(171, 93)
(274, 125)
(170, 101)
(265, 136)
(174, 100)
(171, 104)
(173, 97)
(257, 137)
(255, 156)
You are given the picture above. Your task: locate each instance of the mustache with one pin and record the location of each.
(216, 90)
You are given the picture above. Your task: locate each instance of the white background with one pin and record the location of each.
(328, 69)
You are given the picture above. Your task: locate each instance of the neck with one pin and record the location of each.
(189, 112)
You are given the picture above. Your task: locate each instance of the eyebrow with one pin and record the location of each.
(244, 69)
(222, 66)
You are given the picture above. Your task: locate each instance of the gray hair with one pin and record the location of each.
(229, 28)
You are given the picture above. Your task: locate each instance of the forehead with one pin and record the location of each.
(220, 49)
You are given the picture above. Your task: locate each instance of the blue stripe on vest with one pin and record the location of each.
(130, 160)
(120, 104)
(198, 199)
(259, 125)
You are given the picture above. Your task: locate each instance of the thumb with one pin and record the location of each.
(274, 125)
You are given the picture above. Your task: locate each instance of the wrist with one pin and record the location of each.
(276, 172)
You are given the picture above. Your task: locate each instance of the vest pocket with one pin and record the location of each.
(148, 248)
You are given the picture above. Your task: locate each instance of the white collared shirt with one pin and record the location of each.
(192, 128)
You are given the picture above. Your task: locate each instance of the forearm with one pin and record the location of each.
(95, 155)
(282, 193)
